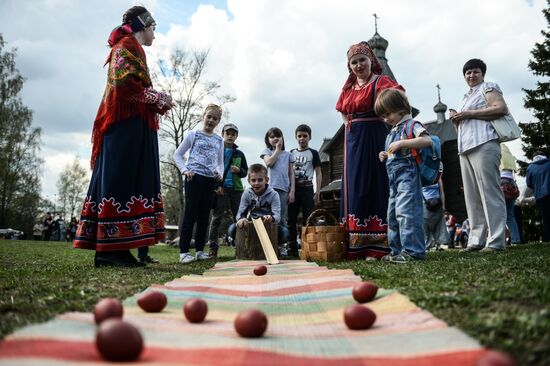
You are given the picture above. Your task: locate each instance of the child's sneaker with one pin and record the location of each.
(229, 241)
(202, 256)
(399, 258)
(282, 251)
(186, 258)
(403, 257)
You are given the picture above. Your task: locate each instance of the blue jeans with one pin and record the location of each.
(511, 221)
(283, 197)
(405, 208)
(282, 233)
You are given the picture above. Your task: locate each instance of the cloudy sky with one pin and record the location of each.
(284, 60)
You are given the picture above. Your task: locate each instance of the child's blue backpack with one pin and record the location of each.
(427, 158)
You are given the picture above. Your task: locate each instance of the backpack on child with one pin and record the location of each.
(427, 158)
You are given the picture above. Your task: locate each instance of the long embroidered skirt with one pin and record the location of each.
(123, 208)
(365, 190)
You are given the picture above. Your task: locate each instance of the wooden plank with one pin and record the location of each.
(264, 240)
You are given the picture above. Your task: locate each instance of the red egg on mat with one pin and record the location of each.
(260, 270)
(152, 301)
(117, 340)
(358, 317)
(495, 358)
(364, 292)
(107, 308)
(195, 310)
(250, 323)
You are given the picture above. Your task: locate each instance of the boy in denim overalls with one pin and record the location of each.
(405, 207)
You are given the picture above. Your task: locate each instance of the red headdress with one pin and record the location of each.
(362, 48)
(127, 78)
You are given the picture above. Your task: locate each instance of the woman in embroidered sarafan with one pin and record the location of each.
(364, 204)
(123, 208)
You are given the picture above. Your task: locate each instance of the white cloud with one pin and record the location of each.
(283, 60)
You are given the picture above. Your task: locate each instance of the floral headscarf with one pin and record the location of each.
(362, 48)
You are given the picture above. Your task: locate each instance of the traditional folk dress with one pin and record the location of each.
(123, 208)
(365, 190)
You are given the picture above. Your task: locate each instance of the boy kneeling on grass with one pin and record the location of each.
(259, 201)
(405, 207)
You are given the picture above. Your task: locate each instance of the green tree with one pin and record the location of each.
(71, 188)
(536, 134)
(20, 165)
(182, 77)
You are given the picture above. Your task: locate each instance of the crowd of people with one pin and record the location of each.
(54, 228)
(382, 195)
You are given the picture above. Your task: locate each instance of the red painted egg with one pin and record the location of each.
(251, 323)
(107, 308)
(195, 310)
(495, 358)
(152, 301)
(260, 270)
(364, 292)
(117, 340)
(359, 317)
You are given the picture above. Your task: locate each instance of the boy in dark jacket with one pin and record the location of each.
(228, 194)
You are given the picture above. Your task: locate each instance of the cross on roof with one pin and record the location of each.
(438, 92)
(375, 22)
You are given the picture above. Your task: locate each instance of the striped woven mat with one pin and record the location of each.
(304, 304)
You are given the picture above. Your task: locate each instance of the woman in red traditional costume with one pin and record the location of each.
(123, 207)
(365, 189)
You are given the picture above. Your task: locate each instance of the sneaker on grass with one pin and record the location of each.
(403, 257)
(202, 256)
(186, 258)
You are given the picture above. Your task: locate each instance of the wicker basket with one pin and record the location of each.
(322, 242)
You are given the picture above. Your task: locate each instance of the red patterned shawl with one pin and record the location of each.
(127, 78)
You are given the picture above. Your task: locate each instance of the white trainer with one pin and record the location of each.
(186, 258)
(202, 256)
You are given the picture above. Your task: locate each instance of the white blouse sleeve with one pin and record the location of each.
(182, 149)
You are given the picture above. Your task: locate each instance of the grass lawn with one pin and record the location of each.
(503, 299)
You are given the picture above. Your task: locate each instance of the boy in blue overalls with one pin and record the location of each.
(405, 207)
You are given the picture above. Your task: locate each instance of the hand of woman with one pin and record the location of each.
(242, 223)
(383, 156)
(461, 116)
(170, 102)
